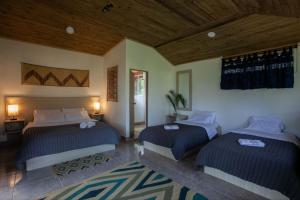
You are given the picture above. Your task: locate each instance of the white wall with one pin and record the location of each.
(127, 55)
(115, 112)
(12, 53)
(161, 79)
(233, 107)
(133, 55)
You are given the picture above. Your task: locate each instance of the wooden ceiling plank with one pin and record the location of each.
(252, 35)
(134, 28)
(177, 28)
(53, 39)
(187, 18)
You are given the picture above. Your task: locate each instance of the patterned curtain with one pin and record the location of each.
(269, 69)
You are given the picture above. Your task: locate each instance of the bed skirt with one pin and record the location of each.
(252, 187)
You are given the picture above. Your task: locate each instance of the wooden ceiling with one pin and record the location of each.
(176, 28)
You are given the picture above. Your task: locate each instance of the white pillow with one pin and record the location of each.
(75, 114)
(272, 125)
(203, 117)
(48, 116)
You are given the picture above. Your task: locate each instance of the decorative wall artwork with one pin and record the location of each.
(51, 76)
(268, 69)
(112, 84)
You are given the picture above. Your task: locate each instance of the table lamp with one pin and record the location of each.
(13, 111)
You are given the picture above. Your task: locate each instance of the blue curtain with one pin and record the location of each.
(269, 69)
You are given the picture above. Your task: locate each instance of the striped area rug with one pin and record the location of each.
(132, 181)
(68, 167)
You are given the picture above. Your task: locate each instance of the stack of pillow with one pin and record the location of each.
(203, 117)
(60, 115)
(270, 125)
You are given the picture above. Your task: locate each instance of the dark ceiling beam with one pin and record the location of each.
(188, 19)
(200, 30)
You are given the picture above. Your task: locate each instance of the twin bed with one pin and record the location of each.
(176, 144)
(271, 171)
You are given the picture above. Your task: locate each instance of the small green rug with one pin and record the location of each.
(68, 167)
(130, 181)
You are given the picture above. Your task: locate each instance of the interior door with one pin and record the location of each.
(131, 103)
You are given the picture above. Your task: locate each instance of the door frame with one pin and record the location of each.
(131, 100)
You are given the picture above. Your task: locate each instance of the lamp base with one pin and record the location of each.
(13, 118)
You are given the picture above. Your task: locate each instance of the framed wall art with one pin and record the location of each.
(112, 84)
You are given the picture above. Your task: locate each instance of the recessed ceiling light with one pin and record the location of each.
(211, 34)
(70, 30)
(108, 7)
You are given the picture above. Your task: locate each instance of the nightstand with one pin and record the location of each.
(13, 130)
(97, 116)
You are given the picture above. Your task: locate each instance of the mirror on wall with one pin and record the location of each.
(184, 87)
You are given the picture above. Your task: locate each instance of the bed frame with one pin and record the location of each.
(252, 187)
(52, 159)
(164, 151)
(28, 104)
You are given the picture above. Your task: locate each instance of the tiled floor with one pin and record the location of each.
(14, 185)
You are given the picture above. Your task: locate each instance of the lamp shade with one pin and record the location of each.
(97, 107)
(12, 110)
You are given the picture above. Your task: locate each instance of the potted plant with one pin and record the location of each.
(176, 99)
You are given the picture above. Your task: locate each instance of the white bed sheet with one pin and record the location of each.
(211, 129)
(283, 136)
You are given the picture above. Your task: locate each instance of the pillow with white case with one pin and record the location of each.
(48, 116)
(203, 117)
(272, 125)
(75, 114)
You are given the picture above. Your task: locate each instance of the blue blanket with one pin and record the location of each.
(40, 141)
(180, 141)
(276, 166)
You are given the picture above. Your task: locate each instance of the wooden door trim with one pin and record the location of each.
(146, 96)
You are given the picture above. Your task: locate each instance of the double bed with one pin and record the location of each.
(190, 136)
(45, 145)
(271, 171)
(60, 130)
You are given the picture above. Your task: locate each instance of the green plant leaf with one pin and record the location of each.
(172, 102)
(181, 99)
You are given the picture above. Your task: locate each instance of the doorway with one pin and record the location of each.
(138, 101)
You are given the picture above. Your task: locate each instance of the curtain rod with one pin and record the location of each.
(294, 45)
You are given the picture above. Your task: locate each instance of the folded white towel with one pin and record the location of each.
(252, 143)
(90, 124)
(83, 125)
(87, 124)
(171, 127)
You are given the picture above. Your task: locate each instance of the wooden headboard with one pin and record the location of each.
(28, 104)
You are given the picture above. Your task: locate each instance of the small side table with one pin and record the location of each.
(13, 130)
(97, 116)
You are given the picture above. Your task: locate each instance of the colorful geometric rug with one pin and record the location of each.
(68, 167)
(131, 181)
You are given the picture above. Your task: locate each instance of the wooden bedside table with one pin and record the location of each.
(99, 116)
(13, 130)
